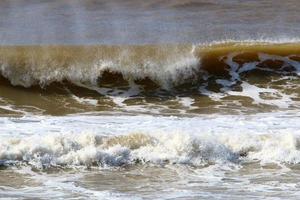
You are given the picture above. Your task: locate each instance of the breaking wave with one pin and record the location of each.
(138, 148)
(248, 73)
(165, 65)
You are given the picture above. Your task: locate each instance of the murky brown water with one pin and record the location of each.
(160, 99)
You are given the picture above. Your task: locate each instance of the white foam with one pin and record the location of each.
(216, 96)
(281, 40)
(278, 98)
(86, 150)
(282, 100)
(85, 141)
(187, 102)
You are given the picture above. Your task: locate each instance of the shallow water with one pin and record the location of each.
(149, 99)
(207, 156)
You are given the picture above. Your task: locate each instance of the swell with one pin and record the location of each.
(265, 55)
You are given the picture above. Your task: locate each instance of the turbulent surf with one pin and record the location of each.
(256, 76)
(160, 99)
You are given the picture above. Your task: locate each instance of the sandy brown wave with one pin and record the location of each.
(163, 65)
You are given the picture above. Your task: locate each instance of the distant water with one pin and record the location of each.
(149, 99)
(155, 21)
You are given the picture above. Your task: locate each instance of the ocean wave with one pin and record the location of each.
(27, 66)
(266, 73)
(139, 148)
(165, 65)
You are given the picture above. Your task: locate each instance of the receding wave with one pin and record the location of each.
(266, 73)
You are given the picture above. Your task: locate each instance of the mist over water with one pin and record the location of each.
(140, 22)
(160, 99)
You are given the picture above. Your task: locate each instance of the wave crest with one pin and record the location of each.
(166, 65)
(258, 75)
